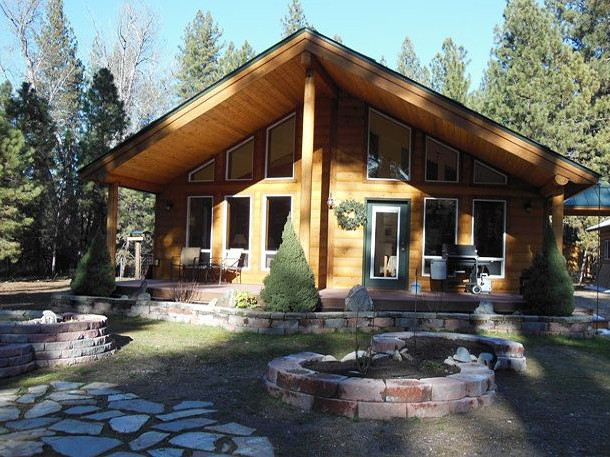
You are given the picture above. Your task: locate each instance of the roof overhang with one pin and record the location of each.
(271, 85)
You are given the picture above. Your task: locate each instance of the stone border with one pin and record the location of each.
(80, 338)
(16, 359)
(237, 320)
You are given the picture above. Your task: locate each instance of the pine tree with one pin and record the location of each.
(290, 285)
(95, 271)
(198, 56)
(409, 64)
(16, 190)
(448, 71)
(548, 289)
(294, 19)
(234, 58)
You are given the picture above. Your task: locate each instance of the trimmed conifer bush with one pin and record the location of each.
(290, 285)
(548, 289)
(95, 271)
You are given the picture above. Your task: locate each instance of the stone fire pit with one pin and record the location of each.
(472, 387)
(34, 340)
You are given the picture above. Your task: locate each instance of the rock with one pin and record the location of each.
(38, 390)
(43, 409)
(9, 414)
(473, 358)
(146, 440)
(213, 302)
(485, 307)
(184, 424)
(66, 396)
(407, 356)
(381, 355)
(27, 399)
(166, 452)
(227, 300)
(81, 446)
(27, 424)
(49, 317)
(105, 391)
(358, 299)
(232, 428)
(140, 290)
(253, 446)
(352, 355)
(124, 454)
(138, 405)
(143, 297)
(99, 385)
(78, 427)
(193, 404)
(197, 440)
(128, 424)
(603, 332)
(397, 355)
(486, 358)
(328, 358)
(27, 435)
(449, 361)
(117, 397)
(65, 385)
(20, 448)
(184, 413)
(462, 355)
(79, 410)
(104, 415)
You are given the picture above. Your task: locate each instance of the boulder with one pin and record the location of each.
(352, 356)
(485, 307)
(449, 361)
(48, 317)
(486, 358)
(462, 355)
(358, 299)
(227, 300)
(328, 358)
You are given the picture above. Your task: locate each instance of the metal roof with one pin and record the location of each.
(594, 197)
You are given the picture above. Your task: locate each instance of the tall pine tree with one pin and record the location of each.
(409, 64)
(234, 58)
(294, 19)
(448, 71)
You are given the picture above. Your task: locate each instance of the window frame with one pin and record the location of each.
(188, 219)
(294, 148)
(503, 259)
(225, 228)
(265, 209)
(368, 145)
(201, 167)
(606, 250)
(483, 164)
(457, 172)
(229, 151)
(425, 257)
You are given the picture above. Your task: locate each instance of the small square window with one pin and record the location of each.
(442, 162)
(239, 161)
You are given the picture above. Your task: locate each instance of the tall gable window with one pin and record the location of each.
(199, 225)
(440, 227)
(389, 148)
(277, 211)
(442, 162)
(280, 149)
(484, 174)
(239, 161)
(204, 173)
(488, 234)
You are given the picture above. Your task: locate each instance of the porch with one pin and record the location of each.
(334, 299)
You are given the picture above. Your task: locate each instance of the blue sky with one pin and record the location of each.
(373, 28)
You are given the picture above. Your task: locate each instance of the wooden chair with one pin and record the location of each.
(232, 263)
(188, 260)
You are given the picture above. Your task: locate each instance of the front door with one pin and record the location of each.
(386, 246)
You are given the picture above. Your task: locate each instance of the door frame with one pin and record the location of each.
(405, 225)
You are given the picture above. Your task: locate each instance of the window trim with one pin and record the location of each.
(294, 148)
(188, 219)
(457, 174)
(425, 257)
(201, 167)
(226, 227)
(368, 145)
(229, 151)
(606, 250)
(483, 164)
(265, 208)
(503, 259)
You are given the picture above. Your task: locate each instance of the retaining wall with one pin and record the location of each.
(325, 322)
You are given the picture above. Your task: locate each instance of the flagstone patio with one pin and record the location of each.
(76, 420)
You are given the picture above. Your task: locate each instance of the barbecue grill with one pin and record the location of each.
(462, 259)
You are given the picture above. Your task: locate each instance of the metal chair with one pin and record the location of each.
(188, 260)
(232, 263)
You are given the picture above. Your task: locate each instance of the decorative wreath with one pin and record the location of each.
(350, 214)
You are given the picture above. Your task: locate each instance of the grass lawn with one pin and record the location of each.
(561, 406)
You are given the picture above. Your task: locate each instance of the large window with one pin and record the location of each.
(239, 161)
(280, 149)
(440, 227)
(199, 225)
(204, 173)
(484, 174)
(237, 235)
(277, 210)
(389, 148)
(442, 162)
(488, 233)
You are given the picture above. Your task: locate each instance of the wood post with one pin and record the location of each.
(309, 107)
(557, 218)
(112, 212)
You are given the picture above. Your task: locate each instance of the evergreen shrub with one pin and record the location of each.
(95, 273)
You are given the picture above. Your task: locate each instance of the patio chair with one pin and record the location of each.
(188, 260)
(232, 263)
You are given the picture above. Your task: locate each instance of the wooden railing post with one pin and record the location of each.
(309, 107)
(111, 219)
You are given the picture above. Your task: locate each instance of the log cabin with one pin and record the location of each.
(310, 123)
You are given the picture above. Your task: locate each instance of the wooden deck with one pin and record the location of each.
(334, 299)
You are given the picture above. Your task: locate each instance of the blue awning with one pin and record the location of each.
(589, 201)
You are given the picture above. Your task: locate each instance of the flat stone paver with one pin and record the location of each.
(27, 399)
(193, 404)
(102, 392)
(38, 390)
(9, 414)
(104, 415)
(81, 446)
(184, 424)
(166, 452)
(128, 424)
(20, 448)
(147, 439)
(67, 396)
(125, 454)
(197, 440)
(26, 424)
(65, 385)
(27, 435)
(79, 410)
(77, 427)
(253, 446)
(138, 405)
(99, 385)
(184, 413)
(232, 429)
(43, 409)
(121, 396)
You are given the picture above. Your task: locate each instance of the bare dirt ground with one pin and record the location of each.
(585, 298)
(22, 294)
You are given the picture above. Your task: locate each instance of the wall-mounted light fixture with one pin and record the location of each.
(330, 201)
(169, 205)
(528, 206)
